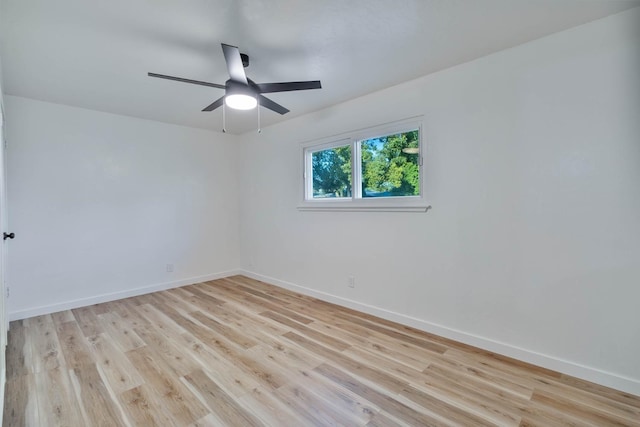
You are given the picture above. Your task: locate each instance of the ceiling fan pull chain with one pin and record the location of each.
(224, 123)
(259, 129)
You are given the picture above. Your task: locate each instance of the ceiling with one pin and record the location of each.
(96, 55)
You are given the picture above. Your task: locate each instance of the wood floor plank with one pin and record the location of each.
(18, 353)
(130, 312)
(506, 370)
(88, 321)
(56, 406)
(422, 342)
(73, 345)
(144, 407)
(596, 401)
(540, 415)
(123, 336)
(180, 305)
(314, 409)
(487, 374)
(417, 361)
(373, 376)
(232, 379)
(187, 323)
(609, 393)
(62, 316)
(457, 414)
(269, 409)
(278, 308)
(493, 404)
(38, 321)
(235, 336)
(21, 402)
(220, 403)
(387, 401)
(267, 374)
(378, 342)
(199, 292)
(46, 352)
(237, 351)
(208, 421)
(260, 293)
(118, 371)
(237, 315)
(583, 412)
(475, 379)
(96, 404)
(175, 357)
(339, 399)
(327, 340)
(383, 420)
(286, 355)
(195, 301)
(183, 406)
(283, 295)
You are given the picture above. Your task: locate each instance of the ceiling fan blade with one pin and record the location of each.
(288, 86)
(215, 104)
(273, 106)
(180, 79)
(234, 64)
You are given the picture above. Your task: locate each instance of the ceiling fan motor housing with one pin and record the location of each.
(234, 88)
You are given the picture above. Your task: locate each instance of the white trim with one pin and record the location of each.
(307, 154)
(326, 143)
(112, 296)
(608, 379)
(391, 128)
(348, 134)
(353, 206)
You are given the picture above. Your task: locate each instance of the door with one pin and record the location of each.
(4, 324)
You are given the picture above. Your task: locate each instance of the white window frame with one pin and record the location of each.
(356, 202)
(308, 152)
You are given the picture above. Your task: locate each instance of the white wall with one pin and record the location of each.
(101, 203)
(532, 247)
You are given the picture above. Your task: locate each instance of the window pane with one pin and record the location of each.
(390, 165)
(332, 172)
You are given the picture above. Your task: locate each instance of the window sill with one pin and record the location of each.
(350, 206)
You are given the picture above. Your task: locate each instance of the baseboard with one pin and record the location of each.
(608, 379)
(83, 302)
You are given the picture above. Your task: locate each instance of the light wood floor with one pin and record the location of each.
(240, 352)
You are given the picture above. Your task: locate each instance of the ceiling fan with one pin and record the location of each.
(242, 93)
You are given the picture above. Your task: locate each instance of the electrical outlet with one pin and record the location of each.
(352, 282)
(169, 268)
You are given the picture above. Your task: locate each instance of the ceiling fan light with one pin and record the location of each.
(240, 101)
(411, 150)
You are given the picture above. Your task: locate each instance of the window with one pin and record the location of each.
(390, 165)
(374, 169)
(331, 172)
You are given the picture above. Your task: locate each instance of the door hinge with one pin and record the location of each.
(8, 293)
